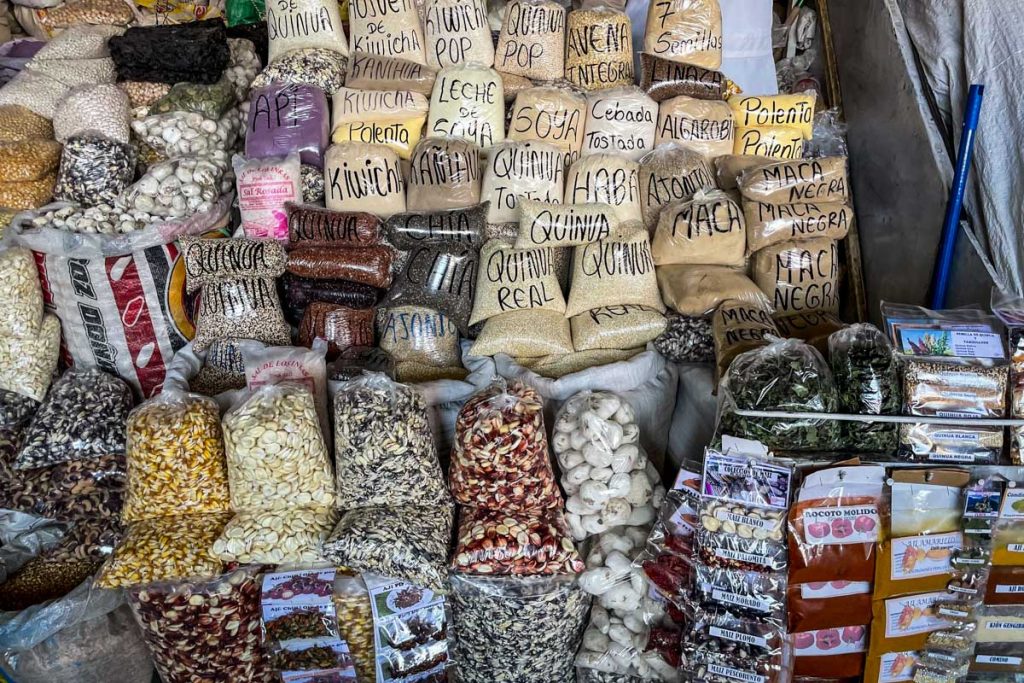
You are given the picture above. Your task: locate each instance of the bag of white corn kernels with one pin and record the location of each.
(120, 298)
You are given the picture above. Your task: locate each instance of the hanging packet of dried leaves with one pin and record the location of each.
(866, 372)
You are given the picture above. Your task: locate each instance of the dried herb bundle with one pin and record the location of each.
(866, 373)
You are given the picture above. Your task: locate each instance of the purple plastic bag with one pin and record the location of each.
(285, 118)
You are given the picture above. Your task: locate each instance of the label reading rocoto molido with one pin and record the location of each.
(841, 525)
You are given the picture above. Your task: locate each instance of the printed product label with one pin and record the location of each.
(955, 343)
(1013, 504)
(758, 522)
(918, 556)
(1011, 589)
(746, 601)
(897, 666)
(833, 589)
(841, 525)
(746, 480)
(1005, 625)
(952, 457)
(982, 504)
(395, 604)
(736, 674)
(829, 642)
(913, 615)
(738, 636)
(738, 556)
(1015, 547)
(999, 659)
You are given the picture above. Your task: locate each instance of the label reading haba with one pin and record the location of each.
(841, 525)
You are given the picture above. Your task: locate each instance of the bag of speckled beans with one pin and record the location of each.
(444, 173)
(265, 185)
(606, 179)
(468, 102)
(620, 121)
(391, 30)
(393, 118)
(276, 455)
(548, 114)
(531, 41)
(534, 170)
(456, 32)
(285, 118)
(363, 177)
(94, 170)
(685, 31)
(175, 455)
(304, 24)
(599, 49)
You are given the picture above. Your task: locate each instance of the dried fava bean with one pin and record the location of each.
(208, 261)
(410, 230)
(370, 266)
(384, 452)
(527, 630)
(101, 109)
(165, 549)
(500, 460)
(211, 630)
(40, 580)
(21, 295)
(275, 451)
(311, 226)
(515, 279)
(324, 69)
(27, 364)
(242, 67)
(671, 173)
(355, 623)
(178, 133)
(342, 327)
(405, 542)
(363, 177)
(83, 417)
(300, 292)
(616, 327)
(312, 184)
(94, 170)
(175, 458)
(662, 79)
(212, 101)
(442, 277)
(563, 225)
(493, 542)
(243, 308)
(527, 333)
(468, 103)
(291, 536)
(606, 179)
(28, 160)
(179, 187)
(599, 49)
(531, 41)
(416, 334)
(615, 271)
(18, 123)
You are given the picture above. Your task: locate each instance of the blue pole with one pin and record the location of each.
(951, 223)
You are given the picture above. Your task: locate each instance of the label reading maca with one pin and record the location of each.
(841, 525)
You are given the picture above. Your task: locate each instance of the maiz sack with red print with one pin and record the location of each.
(120, 298)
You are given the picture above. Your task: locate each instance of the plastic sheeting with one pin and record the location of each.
(960, 42)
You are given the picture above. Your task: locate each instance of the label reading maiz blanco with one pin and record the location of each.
(736, 674)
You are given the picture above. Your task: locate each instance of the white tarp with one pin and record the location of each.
(960, 42)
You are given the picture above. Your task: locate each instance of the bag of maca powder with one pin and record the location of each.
(698, 290)
(302, 25)
(598, 49)
(374, 72)
(769, 224)
(685, 31)
(729, 168)
(468, 102)
(552, 115)
(393, 118)
(799, 276)
(796, 182)
(767, 111)
(739, 326)
(564, 225)
(606, 179)
(620, 121)
(513, 279)
(444, 173)
(531, 170)
(613, 272)
(671, 173)
(457, 32)
(388, 29)
(616, 327)
(531, 41)
(705, 126)
(361, 177)
(708, 230)
(775, 142)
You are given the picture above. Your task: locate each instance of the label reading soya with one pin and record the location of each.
(746, 601)
(841, 525)
(999, 659)
(736, 674)
(738, 636)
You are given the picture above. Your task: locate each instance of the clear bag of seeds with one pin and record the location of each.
(94, 170)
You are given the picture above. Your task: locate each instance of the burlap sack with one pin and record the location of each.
(704, 126)
(671, 173)
(698, 290)
(799, 276)
(776, 142)
(685, 31)
(709, 229)
(766, 111)
(769, 224)
(796, 182)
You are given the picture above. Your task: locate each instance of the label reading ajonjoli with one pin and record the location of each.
(514, 279)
